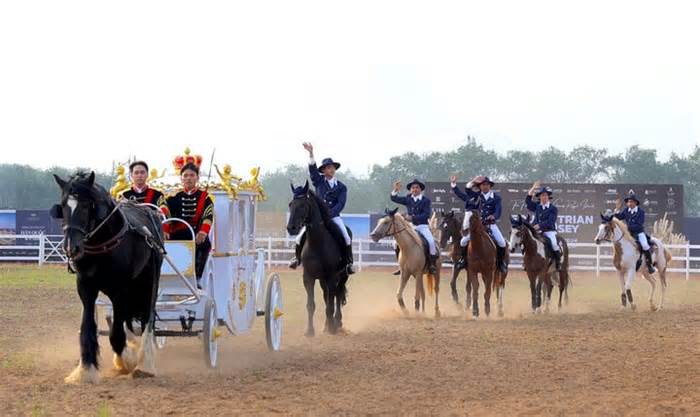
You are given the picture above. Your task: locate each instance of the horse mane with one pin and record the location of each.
(322, 206)
(408, 227)
(623, 228)
(530, 228)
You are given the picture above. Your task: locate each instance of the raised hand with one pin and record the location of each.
(397, 186)
(309, 148)
(453, 179)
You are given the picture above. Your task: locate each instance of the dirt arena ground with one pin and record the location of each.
(590, 359)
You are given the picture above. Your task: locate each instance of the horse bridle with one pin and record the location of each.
(608, 232)
(106, 246)
(393, 224)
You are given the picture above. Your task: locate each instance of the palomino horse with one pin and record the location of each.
(481, 259)
(412, 259)
(625, 256)
(540, 270)
(113, 249)
(321, 257)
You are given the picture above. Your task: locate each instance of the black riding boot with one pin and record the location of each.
(296, 260)
(398, 271)
(462, 261)
(557, 260)
(349, 260)
(432, 266)
(500, 256)
(650, 265)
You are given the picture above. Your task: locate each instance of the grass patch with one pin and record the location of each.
(103, 410)
(35, 276)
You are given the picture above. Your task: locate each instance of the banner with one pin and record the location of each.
(579, 204)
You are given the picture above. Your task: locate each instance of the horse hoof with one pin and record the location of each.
(653, 308)
(310, 333)
(438, 314)
(633, 307)
(82, 375)
(500, 313)
(141, 374)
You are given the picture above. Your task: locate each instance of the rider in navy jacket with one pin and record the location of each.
(489, 206)
(545, 220)
(335, 194)
(633, 215)
(420, 211)
(418, 207)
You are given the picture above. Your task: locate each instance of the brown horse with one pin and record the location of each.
(411, 258)
(449, 227)
(540, 270)
(481, 259)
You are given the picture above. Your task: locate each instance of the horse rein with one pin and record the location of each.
(393, 224)
(111, 243)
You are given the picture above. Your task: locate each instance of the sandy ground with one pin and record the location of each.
(590, 359)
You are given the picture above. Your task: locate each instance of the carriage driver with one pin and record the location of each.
(196, 207)
(334, 193)
(545, 220)
(140, 192)
(489, 207)
(633, 215)
(418, 212)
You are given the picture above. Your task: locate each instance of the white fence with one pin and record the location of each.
(583, 256)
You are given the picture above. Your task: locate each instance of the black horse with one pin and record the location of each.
(321, 257)
(113, 248)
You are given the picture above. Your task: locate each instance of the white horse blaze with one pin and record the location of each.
(72, 203)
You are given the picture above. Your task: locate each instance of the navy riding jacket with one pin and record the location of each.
(546, 218)
(420, 211)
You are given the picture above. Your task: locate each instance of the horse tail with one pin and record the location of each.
(430, 281)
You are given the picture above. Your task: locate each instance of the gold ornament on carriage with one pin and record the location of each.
(121, 184)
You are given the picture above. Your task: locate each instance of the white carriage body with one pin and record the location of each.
(232, 283)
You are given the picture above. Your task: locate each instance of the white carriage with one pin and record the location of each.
(233, 287)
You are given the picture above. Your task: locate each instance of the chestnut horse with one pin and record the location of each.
(481, 259)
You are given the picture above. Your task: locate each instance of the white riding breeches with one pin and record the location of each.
(552, 236)
(297, 240)
(424, 230)
(465, 223)
(643, 241)
(339, 222)
(465, 228)
(497, 236)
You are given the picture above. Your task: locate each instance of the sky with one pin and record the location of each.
(86, 83)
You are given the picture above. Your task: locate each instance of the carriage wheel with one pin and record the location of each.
(273, 313)
(210, 334)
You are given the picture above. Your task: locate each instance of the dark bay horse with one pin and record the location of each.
(450, 228)
(113, 248)
(321, 257)
(540, 270)
(481, 255)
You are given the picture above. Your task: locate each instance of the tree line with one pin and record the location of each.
(30, 188)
